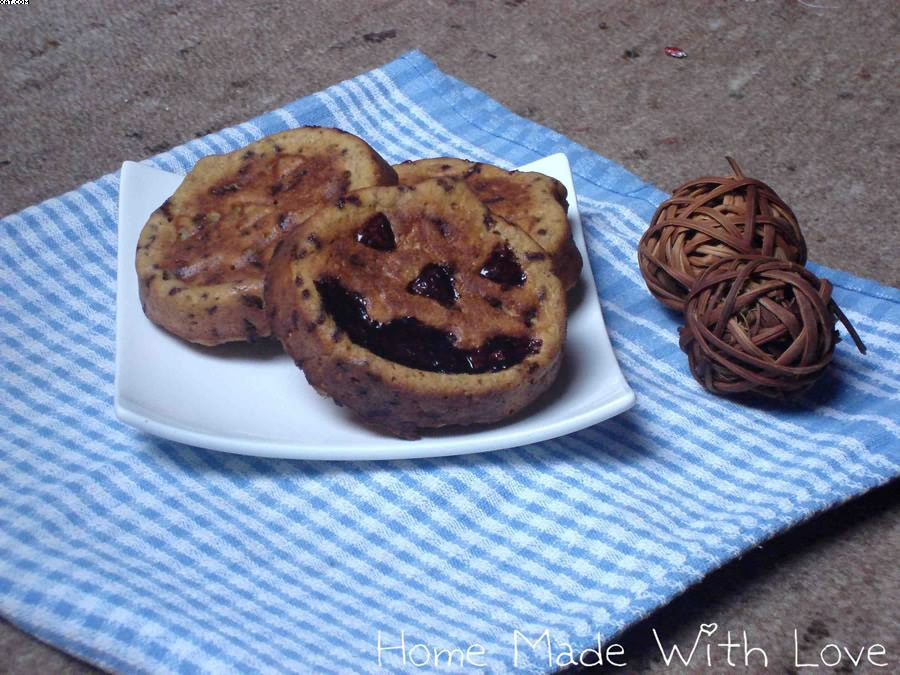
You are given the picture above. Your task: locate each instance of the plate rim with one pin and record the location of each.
(621, 397)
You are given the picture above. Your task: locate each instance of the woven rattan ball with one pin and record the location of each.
(709, 219)
(759, 324)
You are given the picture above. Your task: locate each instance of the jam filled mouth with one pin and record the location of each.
(411, 343)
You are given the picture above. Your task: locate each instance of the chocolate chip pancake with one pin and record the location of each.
(531, 200)
(202, 254)
(416, 307)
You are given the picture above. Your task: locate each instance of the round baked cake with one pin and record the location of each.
(416, 307)
(531, 200)
(201, 256)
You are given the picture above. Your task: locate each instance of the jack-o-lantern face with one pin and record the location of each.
(416, 307)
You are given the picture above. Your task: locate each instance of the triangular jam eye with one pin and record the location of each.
(435, 282)
(502, 267)
(377, 233)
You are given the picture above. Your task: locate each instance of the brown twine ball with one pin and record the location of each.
(709, 219)
(759, 324)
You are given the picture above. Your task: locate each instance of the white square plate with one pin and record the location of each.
(253, 400)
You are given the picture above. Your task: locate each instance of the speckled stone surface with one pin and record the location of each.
(804, 94)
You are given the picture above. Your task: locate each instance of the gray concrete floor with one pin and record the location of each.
(803, 94)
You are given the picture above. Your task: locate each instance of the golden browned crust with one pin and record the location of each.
(201, 256)
(435, 224)
(531, 200)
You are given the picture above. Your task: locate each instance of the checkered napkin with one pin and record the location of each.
(140, 554)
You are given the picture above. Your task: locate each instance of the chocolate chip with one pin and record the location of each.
(252, 301)
(445, 184)
(295, 180)
(223, 189)
(442, 226)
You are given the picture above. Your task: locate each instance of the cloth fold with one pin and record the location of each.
(135, 553)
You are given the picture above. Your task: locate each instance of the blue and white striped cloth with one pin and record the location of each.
(139, 554)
